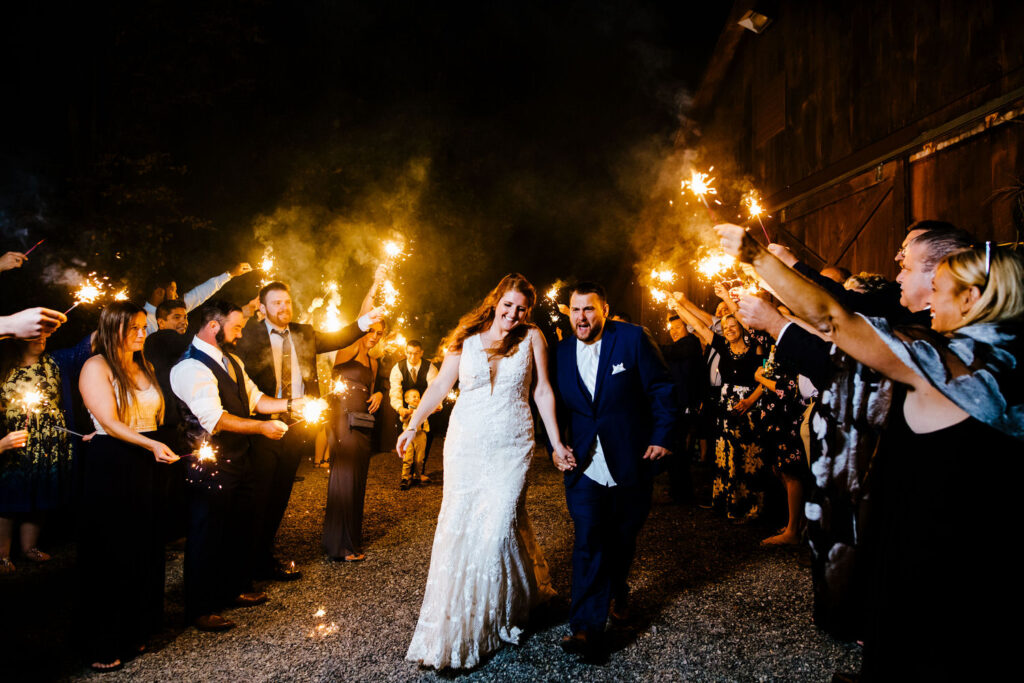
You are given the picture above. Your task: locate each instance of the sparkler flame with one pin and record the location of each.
(666, 276)
(700, 184)
(89, 291)
(313, 411)
(121, 296)
(206, 453)
(320, 613)
(267, 262)
(452, 395)
(659, 295)
(392, 249)
(753, 204)
(714, 265)
(340, 387)
(32, 399)
(389, 293)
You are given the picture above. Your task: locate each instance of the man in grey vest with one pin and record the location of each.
(412, 372)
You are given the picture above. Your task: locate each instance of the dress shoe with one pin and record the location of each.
(250, 599)
(406, 483)
(620, 613)
(282, 572)
(586, 646)
(213, 622)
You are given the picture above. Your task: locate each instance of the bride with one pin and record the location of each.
(486, 570)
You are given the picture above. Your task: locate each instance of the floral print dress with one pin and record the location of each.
(37, 477)
(740, 469)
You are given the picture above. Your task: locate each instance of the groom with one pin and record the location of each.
(616, 396)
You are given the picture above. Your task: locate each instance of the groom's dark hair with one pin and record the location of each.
(586, 287)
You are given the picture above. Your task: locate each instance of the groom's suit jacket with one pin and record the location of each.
(632, 408)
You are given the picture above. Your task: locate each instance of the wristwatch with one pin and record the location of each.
(289, 405)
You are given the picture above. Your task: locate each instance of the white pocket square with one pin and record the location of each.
(618, 367)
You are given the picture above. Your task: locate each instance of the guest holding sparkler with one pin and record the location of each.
(280, 356)
(11, 260)
(35, 462)
(31, 323)
(120, 549)
(956, 388)
(165, 288)
(738, 485)
(352, 422)
(217, 399)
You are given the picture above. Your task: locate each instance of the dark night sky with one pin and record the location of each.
(497, 136)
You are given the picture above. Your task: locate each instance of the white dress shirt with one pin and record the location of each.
(587, 358)
(193, 298)
(195, 384)
(395, 394)
(276, 341)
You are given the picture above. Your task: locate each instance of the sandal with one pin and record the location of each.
(37, 555)
(6, 566)
(104, 667)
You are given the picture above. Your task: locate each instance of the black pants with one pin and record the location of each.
(274, 464)
(219, 543)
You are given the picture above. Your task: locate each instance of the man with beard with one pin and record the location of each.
(216, 400)
(281, 357)
(618, 405)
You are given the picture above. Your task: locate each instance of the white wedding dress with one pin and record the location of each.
(486, 570)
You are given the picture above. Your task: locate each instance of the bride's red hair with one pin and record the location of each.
(481, 317)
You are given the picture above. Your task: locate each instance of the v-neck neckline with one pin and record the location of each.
(492, 369)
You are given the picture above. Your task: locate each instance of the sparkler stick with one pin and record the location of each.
(34, 246)
(68, 431)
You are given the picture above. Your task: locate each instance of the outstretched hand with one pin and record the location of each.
(783, 254)
(404, 441)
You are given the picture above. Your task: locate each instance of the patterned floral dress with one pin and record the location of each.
(740, 469)
(37, 477)
(780, 413)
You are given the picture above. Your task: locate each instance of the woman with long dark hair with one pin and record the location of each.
(120, 552)
(486, 569)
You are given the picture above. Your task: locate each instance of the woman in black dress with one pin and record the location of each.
(352, 417)
(943, 484)
(120, 550)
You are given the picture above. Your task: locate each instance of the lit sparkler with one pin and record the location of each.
(389, 294)
(715, 265)
(88, 292)
(267, 262)
(32, 248)
(206, 453)
(31, 400)
(700, 185)
(121, 296)
(392, 250)
(659, 295)
(754, 210)
(340, 387)
(313, 411)
(664, 276)
(452, 395)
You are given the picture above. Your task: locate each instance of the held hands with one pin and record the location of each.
(656, 452)
(240, 269)
(163, 453)
(15, 439)
(563, 458)
(273, 429)
(374, 402)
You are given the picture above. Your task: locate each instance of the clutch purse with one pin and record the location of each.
(361, 420)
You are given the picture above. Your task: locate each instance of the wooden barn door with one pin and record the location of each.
(858, 223)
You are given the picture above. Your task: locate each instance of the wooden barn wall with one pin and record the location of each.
(864, 81)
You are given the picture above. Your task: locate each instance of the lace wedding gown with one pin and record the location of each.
(486, 570)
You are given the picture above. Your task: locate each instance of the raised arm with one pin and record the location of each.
(678, 303)
(432, 397)
(850, 332)
(544, 397)
(378, 278)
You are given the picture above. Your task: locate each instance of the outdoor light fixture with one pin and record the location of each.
(753, 20)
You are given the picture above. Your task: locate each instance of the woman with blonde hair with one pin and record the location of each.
(486, 569)
(120, 551)
(944, 482)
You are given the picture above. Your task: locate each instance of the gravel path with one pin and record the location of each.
(710, 604)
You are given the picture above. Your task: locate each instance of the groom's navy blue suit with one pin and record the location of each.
(632, 408)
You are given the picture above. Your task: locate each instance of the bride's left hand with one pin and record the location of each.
(404, 439)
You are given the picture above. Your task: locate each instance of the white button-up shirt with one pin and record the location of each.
(196, 385)
(587, 358)
(192, 298)
(276, 341)
(395, 393)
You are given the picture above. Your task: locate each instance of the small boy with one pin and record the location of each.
(412, 459)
